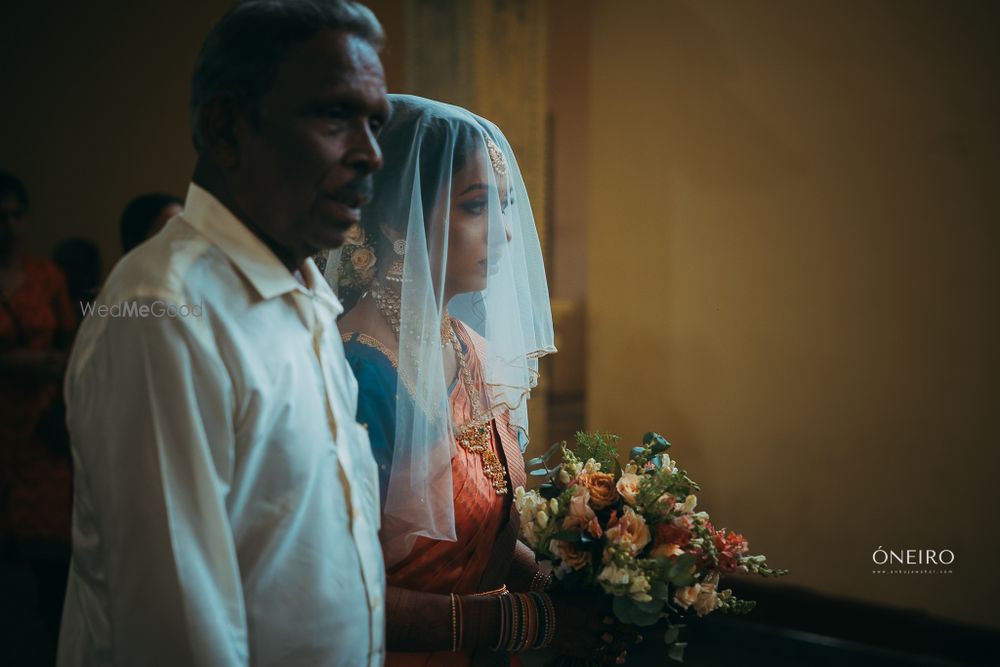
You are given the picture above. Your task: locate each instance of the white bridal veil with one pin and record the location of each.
(429, 149)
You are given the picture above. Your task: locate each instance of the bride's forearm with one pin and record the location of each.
(522, 569)
(417, 621)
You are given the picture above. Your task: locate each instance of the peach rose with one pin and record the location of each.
(629, 530)
(687, 596)
(594, 528)
(628, 486)
(362, 258)
(568, 555)
(354, 235)
(707, 599)
(601, 486)
(580, 512)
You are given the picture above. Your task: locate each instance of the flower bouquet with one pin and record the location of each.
(632, 532)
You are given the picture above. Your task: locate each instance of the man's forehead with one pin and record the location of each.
(332, 58)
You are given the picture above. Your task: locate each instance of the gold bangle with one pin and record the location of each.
(454, 625)
(496, 591)
(461, 622)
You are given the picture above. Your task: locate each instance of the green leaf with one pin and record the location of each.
(549, 491)
(676, 652)
(538, 472)
(682, 564)
(537, 461)
(673, 634)
(682, 580)
(631, 611)
(567, 536)
(659, 590)
(622, 609)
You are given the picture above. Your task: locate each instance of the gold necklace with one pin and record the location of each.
(389, 303)
(475, 437)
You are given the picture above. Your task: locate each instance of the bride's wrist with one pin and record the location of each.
(482, 621)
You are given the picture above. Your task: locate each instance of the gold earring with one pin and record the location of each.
(395, 272)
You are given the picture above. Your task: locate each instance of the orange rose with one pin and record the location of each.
(362, 258)
(354, 235)
(568, 555)
(601, 486)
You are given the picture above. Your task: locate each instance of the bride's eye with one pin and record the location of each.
(474, 206)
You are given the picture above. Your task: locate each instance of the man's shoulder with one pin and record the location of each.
(176, 264)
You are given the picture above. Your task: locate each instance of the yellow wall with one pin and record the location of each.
(792, 248)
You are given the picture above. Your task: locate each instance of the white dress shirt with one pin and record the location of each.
(226, 500)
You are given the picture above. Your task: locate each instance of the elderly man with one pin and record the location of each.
(226, 502)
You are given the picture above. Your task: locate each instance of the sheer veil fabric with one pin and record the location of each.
(498, 284)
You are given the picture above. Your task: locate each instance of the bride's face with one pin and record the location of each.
(468, 226)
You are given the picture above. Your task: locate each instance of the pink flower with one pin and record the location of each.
(580, 513)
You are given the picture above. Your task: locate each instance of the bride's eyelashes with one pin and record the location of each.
(474, 206)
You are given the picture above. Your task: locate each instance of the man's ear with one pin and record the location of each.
(219, 118)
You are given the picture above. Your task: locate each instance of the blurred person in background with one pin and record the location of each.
(36, 327)
(80, 261)
(145, 215)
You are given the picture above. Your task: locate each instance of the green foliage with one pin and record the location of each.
(676, 651)
(730, 604)
(673, 633)
(642, 614)
(601, 447)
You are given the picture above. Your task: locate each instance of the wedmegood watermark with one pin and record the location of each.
(913, 561)
(136, 309)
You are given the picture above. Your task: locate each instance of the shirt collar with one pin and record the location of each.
(249, 254)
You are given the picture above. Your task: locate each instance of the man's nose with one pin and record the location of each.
(364, 154)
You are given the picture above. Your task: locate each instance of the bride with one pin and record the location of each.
(447, 315)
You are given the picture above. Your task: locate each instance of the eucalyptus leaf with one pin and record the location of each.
(631, 611)
(673, 634)
(549, 491)
(676, 652)
(659, 590)
(623, 610)
(537, 461)
(567, 536)
(538, 472)
(682, 580)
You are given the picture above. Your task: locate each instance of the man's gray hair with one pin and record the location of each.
(241, 54)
